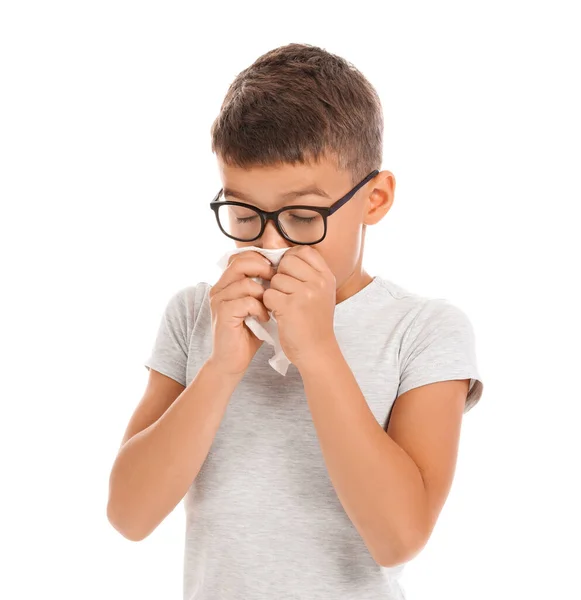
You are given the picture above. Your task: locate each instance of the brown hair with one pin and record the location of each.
(297, 103)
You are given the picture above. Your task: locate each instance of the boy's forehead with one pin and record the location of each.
(284, 178)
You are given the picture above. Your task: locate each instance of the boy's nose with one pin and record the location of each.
(271, 238)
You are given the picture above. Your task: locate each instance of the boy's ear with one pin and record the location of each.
(380, 199)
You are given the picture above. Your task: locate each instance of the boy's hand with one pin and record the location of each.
(232, 298)
(302, 297)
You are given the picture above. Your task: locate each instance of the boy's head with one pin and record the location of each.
(300, 117)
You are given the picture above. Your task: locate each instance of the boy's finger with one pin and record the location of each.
(244, 267)
(249, 254)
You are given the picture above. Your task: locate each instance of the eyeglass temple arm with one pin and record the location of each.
(350, 195)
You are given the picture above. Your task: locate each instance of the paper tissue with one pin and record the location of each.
(268, 331)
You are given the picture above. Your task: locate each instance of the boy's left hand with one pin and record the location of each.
(302, 297)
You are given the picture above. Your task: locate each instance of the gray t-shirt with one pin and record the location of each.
(263, 519)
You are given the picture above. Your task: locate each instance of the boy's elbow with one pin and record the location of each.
(124, 526)
(394, 559)
(394, 554)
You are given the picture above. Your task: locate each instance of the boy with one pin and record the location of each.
(316, 484)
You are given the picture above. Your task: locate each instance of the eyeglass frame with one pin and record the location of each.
(265, 216)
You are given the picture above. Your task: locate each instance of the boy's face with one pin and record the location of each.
(342, 247)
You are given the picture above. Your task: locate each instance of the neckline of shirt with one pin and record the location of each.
(358, 296)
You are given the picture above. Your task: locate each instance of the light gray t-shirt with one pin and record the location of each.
(263, 520)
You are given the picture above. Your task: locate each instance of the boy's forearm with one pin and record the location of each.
(378, 484)
(155, 468)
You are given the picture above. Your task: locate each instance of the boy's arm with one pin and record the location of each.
(391, 484)
(156, 465)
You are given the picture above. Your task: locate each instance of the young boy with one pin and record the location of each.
(320, 483)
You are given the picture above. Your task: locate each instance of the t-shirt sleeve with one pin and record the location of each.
(169, 354)
(440, 345)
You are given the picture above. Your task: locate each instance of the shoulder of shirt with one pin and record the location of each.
(187, 300)
(419, 305)
(197, 291)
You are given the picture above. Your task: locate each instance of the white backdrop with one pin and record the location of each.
(105, 178)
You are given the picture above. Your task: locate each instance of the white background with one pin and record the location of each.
(105, 178)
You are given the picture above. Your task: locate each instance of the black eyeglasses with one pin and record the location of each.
(298, 224)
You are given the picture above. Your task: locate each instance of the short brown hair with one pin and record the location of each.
(295, 104)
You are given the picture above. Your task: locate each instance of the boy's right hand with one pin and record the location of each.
(232, 298)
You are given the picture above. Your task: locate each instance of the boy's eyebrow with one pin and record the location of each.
(311, 190)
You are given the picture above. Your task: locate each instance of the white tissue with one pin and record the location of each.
(268, 331)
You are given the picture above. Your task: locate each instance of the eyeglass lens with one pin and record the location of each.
(299, 224)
